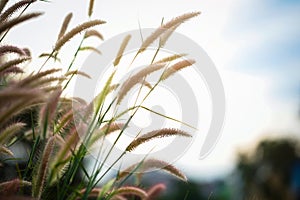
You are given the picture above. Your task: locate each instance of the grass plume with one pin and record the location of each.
(42, 172)
(12, 187)
(11, 49)
(130, 190)
(61, 130)
(14, 8)
(176, 67)
(13, 22)
(91, 7)
(3, 4)
(64, 39)
(122, 49)
(163, 28)
(165, 132)
(10, 132)
(170, 58)
(77, 72)
(151, 164)
(65, 25)
(90, 48)
(136, 78)
(13, 63)
(95, 33)
(155, 191)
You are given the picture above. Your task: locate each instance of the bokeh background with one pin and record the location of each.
(255, 46)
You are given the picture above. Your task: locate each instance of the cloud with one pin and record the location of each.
(268, 38)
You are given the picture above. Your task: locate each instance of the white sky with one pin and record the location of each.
(252, 111)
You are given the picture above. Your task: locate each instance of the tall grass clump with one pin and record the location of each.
(61, 130)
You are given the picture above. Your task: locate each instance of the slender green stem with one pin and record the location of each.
(73, 61)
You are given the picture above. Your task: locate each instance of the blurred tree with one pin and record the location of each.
(272, 171)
